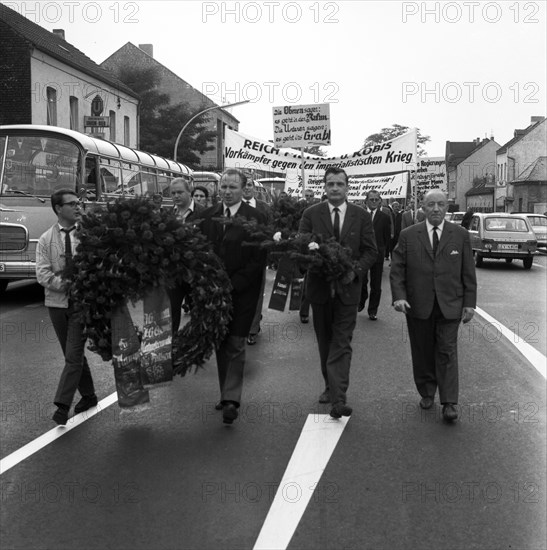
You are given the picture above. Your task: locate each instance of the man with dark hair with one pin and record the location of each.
(382, 232)
(334, 305)
(55, 250)
(433, 283)
(245, 266)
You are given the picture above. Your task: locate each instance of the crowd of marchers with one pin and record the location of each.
(432, 279)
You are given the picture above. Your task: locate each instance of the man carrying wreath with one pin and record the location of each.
(245, 266)
(334, 304)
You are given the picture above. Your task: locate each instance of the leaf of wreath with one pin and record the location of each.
(129, 247)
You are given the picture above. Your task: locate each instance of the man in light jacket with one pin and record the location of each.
(55, 248)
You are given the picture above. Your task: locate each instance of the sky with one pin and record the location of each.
(455, 70)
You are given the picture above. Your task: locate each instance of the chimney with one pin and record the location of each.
(147, 49)
(59, 32)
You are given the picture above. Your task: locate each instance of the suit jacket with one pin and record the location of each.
(397, 227)
(417, 276)
(265, 209)
(382, 231)
(244, 264)
(408, 218)
(356, 234)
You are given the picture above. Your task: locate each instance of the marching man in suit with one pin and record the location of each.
(382, 230)
(245, 267)
(334, 316)
(433, 283)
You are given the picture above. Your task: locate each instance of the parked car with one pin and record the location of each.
(539, 225)
(505, 236)
(455, 217)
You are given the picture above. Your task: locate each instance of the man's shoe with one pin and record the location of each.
(340, 409)
(251, 339)
(449, 412)
(229, 413)
(86, 402)
(426, 402)
(60, 416)
(304, 319)
(324, 397)
(218, 406)
(372, 316)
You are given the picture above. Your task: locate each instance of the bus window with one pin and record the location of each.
(110, 177)
(131, 179)
(38, 166)
(149, 182)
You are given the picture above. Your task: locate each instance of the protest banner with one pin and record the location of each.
(388, 158)
(301, 125)
(431, 174)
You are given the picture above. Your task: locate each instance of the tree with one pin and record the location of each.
(315, 150)
(396, 130)
(160, 122)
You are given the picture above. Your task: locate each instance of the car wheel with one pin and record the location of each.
(527, 262)
(508, 260)
(478, 260)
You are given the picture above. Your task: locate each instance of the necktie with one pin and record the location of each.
(227, 215)
(336, 223)
(248, 202)
(68, 244)
(435, 240)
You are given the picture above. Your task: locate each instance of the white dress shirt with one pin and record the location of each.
(430, 231)
(342, 209)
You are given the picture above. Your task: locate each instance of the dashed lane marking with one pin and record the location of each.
(310, 457)
(531, 354)
(40, 442)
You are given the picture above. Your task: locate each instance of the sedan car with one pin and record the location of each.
(500, 235)
(539, 225)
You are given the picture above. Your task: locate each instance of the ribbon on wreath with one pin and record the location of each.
(288, 282)
(156, 361)
(126, 358)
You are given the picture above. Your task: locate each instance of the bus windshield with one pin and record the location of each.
(37, 165)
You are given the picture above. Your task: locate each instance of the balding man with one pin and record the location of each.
(433, 283)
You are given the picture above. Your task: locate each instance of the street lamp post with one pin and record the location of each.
(199, 114)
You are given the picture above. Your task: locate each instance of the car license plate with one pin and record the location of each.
(2, 268)
(508, 246)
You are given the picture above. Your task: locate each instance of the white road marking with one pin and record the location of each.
(310, 457)
(531, 354)
(45, 439)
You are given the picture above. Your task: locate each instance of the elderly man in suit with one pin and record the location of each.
(186, 210)
(381, 223)
(433, 282)
(245, 267)
(249, 196)
(334, 306)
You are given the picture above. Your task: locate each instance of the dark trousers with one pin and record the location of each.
(255, 326)
(334, 323)
(434, 348)
(76, 374)
(231, 364)
(176, 297)
(375, 285)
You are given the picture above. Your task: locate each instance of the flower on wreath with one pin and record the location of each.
(127, 248)
(313, 246)
(277, 236)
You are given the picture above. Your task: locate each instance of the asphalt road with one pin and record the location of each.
(174, 477)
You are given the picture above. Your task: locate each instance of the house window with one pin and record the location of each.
(73, 113)
(51, 106)
(112, 115)
(126, 136)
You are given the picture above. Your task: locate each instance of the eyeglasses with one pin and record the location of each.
(72, 203)
(372, 199)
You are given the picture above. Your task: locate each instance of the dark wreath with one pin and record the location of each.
(129, 247)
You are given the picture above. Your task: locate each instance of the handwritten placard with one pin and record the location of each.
(301, 125)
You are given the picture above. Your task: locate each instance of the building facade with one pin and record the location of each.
(46, 80)
(516, 163)
(179, 92)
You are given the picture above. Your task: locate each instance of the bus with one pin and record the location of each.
(37, 160)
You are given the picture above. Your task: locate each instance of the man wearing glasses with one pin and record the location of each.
(55, 250)
(382, 231)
